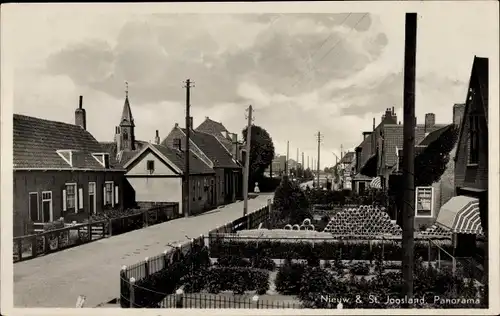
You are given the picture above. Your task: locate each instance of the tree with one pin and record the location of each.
(431, 163)
(261, 152)
(290, 202)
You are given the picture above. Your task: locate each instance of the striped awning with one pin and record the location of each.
(376, 183)
(460, 215)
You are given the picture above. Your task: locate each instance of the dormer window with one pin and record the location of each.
(102, 159)
(67, 155)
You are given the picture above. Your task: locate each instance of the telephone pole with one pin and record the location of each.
(302, 165)
(247, 162)
(308, 165)
(409, 151)
(319, 137)
(286, 163)
(186, 203)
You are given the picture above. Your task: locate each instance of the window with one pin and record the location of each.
(70, 198)
(199, 190)
(92, 200)
(361, 188)
(473, 139)
(102, 158)
(150, 165)
(125, 135)
(33, 206)
(424, 201)
(108, 193)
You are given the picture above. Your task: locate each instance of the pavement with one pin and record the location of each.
(92, 270)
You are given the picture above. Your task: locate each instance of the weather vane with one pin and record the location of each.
(126, 89)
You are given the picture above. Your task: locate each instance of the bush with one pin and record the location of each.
(268, 184)
(288, 278)
(360, 268)
(290, 201)
(233, 261)
(264, 263)
(237, 279)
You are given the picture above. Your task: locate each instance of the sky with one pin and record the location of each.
(301, 72)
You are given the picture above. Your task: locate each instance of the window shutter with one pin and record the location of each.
(112, 196)
(64, 200)
(104, 195)
(116, 195)
(80, 199)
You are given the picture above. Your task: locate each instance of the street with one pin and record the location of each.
(57, 280)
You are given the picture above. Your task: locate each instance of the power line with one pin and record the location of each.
(330, 50)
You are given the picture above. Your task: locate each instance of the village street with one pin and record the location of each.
(57, 280)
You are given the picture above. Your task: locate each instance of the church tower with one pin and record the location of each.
(124, 134)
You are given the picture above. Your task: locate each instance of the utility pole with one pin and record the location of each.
(308, 165)
(286, 163)
(247, 162)
(302, 166)
(319, 137)
(409, 151)
(186, 203)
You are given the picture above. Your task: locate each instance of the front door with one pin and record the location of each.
(47, 207)
(33, 205)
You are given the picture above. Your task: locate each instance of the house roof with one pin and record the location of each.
(348, 158)
(124, 156)
(173, 156)
(479, 75)
(211, 127)
(434, 135)
(213, 149)
(216, 129)
(393, 137)
(36, 142)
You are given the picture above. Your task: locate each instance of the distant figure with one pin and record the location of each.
(256, 189)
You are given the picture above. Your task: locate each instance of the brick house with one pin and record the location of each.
(229, 177)
(156, 174)
(60, 170)
(466, 215)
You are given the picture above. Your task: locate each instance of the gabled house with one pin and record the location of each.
(60, 170)
(227, 139)
(466, 215)
(156, 174)
(208, 148)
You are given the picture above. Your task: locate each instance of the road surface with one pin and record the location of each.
(56, 280)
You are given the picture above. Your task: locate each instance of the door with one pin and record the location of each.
(47, 215)
(33, 206)
(92, 200)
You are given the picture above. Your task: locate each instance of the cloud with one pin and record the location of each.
(303, 73)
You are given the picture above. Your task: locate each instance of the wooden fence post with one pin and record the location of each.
(34, 253)
(90, 232)
(429, 255)
(132, 292)
(165, 259)
(146, 266)
(123, 283)
(179, 295)
(145, 218)
(110, 228)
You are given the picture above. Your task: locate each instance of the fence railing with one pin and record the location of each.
(131, 275)
(45, 242)
(207, 301)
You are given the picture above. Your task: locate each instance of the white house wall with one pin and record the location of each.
(157, 189)
(140, 168)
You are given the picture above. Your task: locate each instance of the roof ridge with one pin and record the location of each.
(22, 116)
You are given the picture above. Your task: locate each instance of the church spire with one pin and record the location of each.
(127, 118)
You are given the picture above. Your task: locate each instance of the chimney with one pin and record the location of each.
(176, 125)
(80, 115)
(373, 123)
(393, 113)
(358, 158)
(458, 113)
(157, 138)
(366, 134)
(430, 121)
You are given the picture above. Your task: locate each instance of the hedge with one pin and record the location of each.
(310, 284)
(257, 262)
(237, 279)
(326, 250)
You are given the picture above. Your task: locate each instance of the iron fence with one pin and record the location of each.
(208, 301)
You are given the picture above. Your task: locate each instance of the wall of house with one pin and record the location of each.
(200, 193)
(26, 182)
(472, 176)
(220, 185)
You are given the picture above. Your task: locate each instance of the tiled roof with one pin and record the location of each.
(216, 129)
(393, 137)
(177, 157)
(214, 150)
(366, 151)
(123, 157)
(37, 140)
(211, 126)
(348, 157)
(434, 135)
